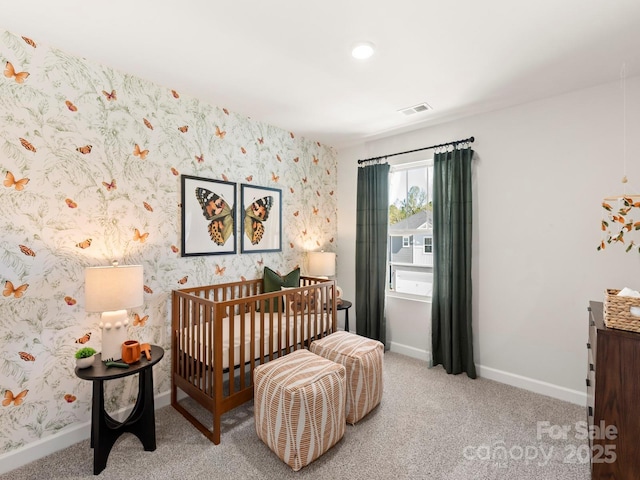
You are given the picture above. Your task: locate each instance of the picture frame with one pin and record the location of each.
(208, 217)
(261, 219)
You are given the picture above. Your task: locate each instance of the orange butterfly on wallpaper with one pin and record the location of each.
(85, 149)
(261, 140)
(174, 171)
(184, 128)
(315, 160)
(260, 262)
(331, 240)
(220, 133)
(10, 181)
(242, 149)
(174, 249)
(140, 237)
(243, 278)
(331, 192)
(70, 203)
(29, 42)
(291, 244)
(16, 399)
(225, 111)
(275, 177)
(328, 172)
(70, 106)
(278, 158)
(27, 251)
(84, 244)
(200, 158)
(147, 124)
(224, 177)
(147, 289)
(139, 321)
(175, 94)
(110, 186)
(69, 398)
(84, 339)
(328, 220)
(70, 300)
(17, 292)
(296, 159)
(220, 270)
(292, 135)
(138, 152)
(296, 213)
(304, 232)
(315, 210)
(147, 206)
(110, 96)
(10, 72)
(26, 144)
(183, 280)
(249, 178)
(27, 357)
(291, 189)
(304, 179)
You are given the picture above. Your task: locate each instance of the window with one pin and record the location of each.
(428, 245)
(410, 240)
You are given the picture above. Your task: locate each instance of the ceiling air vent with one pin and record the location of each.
(421, 107)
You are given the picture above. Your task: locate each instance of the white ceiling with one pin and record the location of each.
(287, 62)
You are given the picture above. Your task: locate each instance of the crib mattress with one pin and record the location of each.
(193, 339)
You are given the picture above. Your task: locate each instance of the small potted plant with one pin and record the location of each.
(84, 357)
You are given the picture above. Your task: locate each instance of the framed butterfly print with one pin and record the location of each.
(208, 216)
(261, 219)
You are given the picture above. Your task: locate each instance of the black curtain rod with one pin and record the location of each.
(456, 142)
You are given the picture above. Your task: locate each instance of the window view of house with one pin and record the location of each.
(411, 230)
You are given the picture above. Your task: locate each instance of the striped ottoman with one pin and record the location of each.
(299, 403)
(362, 358)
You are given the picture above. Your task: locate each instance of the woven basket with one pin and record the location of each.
(617, 311)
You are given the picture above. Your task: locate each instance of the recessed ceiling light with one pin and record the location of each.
(363, 50)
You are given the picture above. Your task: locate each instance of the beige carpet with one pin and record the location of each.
(430, 425)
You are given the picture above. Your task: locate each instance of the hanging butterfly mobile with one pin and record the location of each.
(616, 223)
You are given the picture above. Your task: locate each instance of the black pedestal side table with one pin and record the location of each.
(141, 421)
(345, 305)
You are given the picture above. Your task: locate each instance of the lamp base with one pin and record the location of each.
(114, 333)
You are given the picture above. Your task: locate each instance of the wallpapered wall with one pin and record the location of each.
(79, 189)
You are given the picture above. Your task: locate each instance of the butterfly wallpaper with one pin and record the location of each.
(91, 162)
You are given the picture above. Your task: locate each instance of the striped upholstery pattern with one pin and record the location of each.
(299, 406)
(362, 358)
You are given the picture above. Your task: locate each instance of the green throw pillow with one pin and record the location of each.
(272, 282)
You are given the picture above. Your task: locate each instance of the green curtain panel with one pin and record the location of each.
(372, 214)
(452, 338)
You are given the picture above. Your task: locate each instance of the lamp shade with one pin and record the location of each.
(322, 264)
(113, 288)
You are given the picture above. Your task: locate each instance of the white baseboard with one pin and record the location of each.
(537, 386)
(410, 351)
(63, 439)
(533, 385)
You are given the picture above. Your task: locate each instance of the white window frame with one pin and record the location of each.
(392, 266)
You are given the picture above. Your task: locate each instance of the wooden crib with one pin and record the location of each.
(207, 320)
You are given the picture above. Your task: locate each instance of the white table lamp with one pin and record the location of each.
(111, 291)
(322, 264)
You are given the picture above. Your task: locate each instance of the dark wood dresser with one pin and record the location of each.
(613, 399)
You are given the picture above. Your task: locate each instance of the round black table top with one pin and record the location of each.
(344, 305)
(99, 371)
